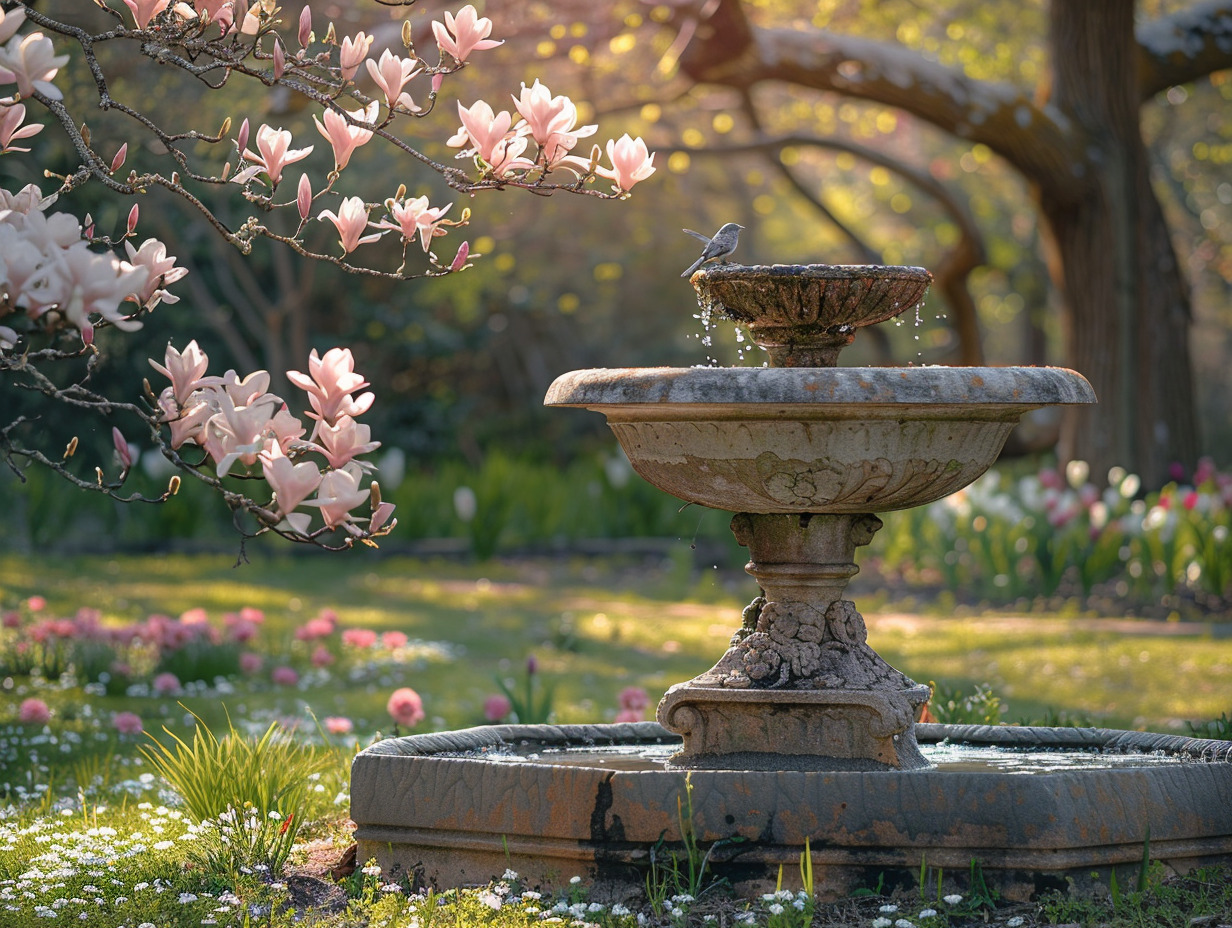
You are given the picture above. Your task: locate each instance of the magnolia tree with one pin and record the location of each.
(64, 286)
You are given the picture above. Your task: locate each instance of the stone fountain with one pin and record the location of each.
(800, 730)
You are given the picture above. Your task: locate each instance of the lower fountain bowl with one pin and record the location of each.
(1031, 807)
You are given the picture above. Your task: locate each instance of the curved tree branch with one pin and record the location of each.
(1185, 46)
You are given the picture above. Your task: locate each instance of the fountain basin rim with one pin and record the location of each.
(816, 271)
(1012, 388)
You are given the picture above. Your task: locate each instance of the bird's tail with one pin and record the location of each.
(694, 266)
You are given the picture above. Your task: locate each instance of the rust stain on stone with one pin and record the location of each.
(977, 381)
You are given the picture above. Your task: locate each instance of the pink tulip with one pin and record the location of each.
(11, 128)
(391, 74)
(405, 707)
(631, 162)
(166, 683)
(330, 382)
(415, 217)
(353, 52)
(345, 137)
(496, 707)
(253, 615)
(470, 33)
(33, 712)
(274, 152)
(316, 627)
(393, 640)
(350, 221)
(127, 723)
(31, 64)
(321, 656)
(284, 676)
(359, 637)
(338, 725)
(251, 662)
(634, 697)
(629, 715)
(36, 603)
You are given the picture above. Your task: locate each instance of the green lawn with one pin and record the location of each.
(598, 626)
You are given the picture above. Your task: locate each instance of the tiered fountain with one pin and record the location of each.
(800, 731)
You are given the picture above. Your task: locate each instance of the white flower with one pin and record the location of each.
(881, 922)
(575, 880)
(372, 870)
(510, 875)
(1015, 922)
(952, 899)
(776, 909)
(904, 923)
(186, 898)
(929, 913)
(888, 909)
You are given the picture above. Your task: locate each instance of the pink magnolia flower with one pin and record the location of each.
(350, 221)
(284, 676)
(488, 135)
(145, 10)
(127, 723)
(33, 712)
(166, 683)
(405, 707)
(8, 338)
(185, 370)
(343, 441)
(359, 637)
(274, 152)
(353, 52)
(239, 433)
(391, 74)
(329, 383)
(393, 640)
(31, 64)
(291, 483)
(338, 494)
(551, 123)
(11, 128)
(345, 137)
(321, 656)
(10, 22)
(87, 283)
(338, 725)
(496, 707)
(631, 162)
(470, 33)
(161, 269)
(415, 217)
(251, 662)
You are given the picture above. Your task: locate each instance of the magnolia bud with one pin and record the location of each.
(87, 334)
(466, 215)
(280, 59)
(132, 217)
(85, 134)
(149, 391)
(173, 485)
(406, 33)
(241, 140)
(226, 127)
(98, 475)
(305, 26)
(118, 160)
(437, 79)
(401, 194)
(374, 494)
(331, 35)
(303, 197)
(122, 449)
(459, 260)
(71, 448)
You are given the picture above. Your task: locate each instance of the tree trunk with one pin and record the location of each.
(1128, 317)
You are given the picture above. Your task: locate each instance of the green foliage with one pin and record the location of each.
(249, 794)
(1219, 729)
(531, 701)
(681, 874)
(953, 706)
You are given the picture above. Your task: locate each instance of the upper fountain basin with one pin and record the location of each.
(835, 440)
(805, 314)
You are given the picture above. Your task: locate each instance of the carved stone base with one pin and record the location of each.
(801, 729)
(799, 681)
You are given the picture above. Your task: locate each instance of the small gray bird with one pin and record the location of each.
(717, 248)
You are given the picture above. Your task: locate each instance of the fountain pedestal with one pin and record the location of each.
(799, 687)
